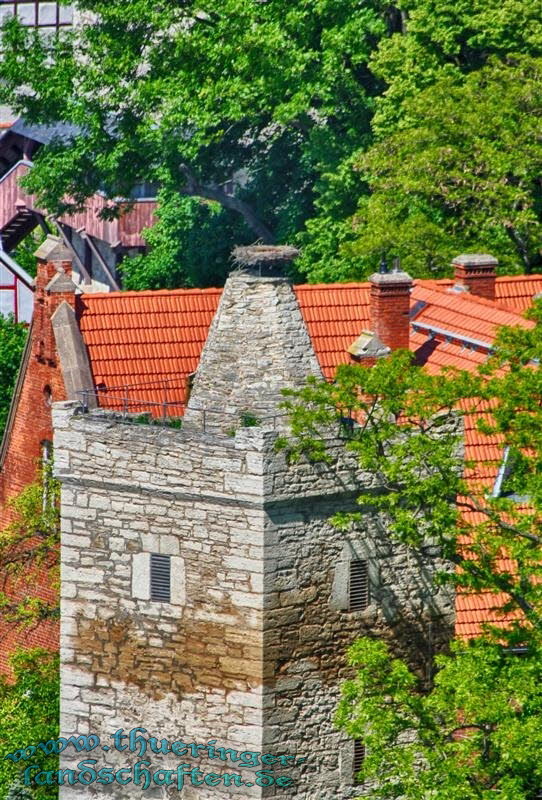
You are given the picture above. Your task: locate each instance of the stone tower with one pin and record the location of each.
(205, 596)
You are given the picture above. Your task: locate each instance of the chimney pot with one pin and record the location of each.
(390, 308)
(476, 273)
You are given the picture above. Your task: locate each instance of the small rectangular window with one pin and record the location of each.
(358, 586)
(359, 757)
(160, 578)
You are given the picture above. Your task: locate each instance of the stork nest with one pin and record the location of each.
(264, 255)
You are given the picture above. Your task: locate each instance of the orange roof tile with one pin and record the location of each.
(143, 346)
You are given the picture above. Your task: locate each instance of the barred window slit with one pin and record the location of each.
(358, 585)
(359, 757)
(160, 578)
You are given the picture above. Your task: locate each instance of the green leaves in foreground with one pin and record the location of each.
(408, 433)
(12, 339)
(476, 735)
(29, 710)
(29, 550)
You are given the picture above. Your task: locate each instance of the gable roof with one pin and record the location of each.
(142, 337)
(144, 345)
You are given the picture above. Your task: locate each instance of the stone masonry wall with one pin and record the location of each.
(251, 652)
(191, 670)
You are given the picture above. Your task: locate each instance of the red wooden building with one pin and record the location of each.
(16, 290)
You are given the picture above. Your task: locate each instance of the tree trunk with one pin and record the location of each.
(522, 248)
(194, 188)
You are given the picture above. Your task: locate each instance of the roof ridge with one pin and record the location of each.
(347, 285)
(434, 284)
(467, 297)
(537, 276)
(149, 293)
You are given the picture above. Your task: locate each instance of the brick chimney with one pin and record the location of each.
(52, 286)
(475, 272)
(390, 307)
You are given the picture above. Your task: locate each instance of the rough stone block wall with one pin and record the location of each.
(254, 657)
(192, 671)
(257, 345)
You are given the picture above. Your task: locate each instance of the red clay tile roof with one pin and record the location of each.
(335, 315)
(462, 314)
(518, 291)
(144, 345)
(515, 292)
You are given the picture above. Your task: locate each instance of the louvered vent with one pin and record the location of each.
(160, 578)
(359, 756)
(359, 585)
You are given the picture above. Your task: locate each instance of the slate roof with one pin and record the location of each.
(44, 133)
(144, 345)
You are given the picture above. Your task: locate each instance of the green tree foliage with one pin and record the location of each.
(29, 709)
(476, 733)
(269, 109)
(461, 174)
(407, 437)
(448, 39)
(190, 245)
(28, 550)
(18, 791)
(12, 339)
(24, 252)
(444, 175)
(244, 104)
(456, 162)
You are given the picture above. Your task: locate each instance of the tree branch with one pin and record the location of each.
(493, 516)
(520, 244)
(193, 188)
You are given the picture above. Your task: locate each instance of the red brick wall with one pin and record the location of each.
(32, 425)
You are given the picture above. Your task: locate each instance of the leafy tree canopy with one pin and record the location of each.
(429, 43)
(407, 438)
(29, 709)
(460, 174)
(268, 96)
(451, 39)
(268, 108)
(190, 245)
(476, 732)
(29, 548)
(477, 735)
(12, 339)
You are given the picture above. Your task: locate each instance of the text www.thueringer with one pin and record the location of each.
(135, 742)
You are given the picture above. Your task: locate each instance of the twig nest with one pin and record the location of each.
(264, 255)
